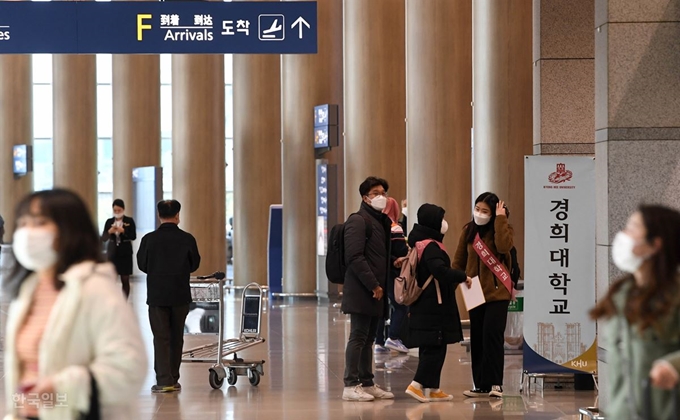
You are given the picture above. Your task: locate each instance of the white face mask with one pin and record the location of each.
(34, 248)
(379, 202)
(622, 253)
(403, 211)
(445, 227)
(118, 215)
(481, 219)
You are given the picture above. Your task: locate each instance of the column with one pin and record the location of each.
(375, 96)
(307, 80)
(257, 161)
(637, 121)
(198, 156)
(16, 127)
(439, 115)
(502, 112)
(75, 125)
(136, 120)
(564, 77)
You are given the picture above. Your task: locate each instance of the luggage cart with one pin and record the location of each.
(211, 289)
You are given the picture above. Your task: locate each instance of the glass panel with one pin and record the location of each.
(104, 201)
(229, 112)
(166, 163)
(104, 111)
(43, 174)
(229, 170)
(166, 111)
(42, 111)
(105, 165)
(104, 66)
(42, 68)
(166, 69)
(228, 69)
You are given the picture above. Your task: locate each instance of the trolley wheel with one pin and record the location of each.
(254, 378)
(215, 380)
(231, 377)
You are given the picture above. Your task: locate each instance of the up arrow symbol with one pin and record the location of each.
(300, 22)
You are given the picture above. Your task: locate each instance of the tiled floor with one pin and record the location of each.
(304, 354)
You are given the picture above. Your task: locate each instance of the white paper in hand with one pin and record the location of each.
(474, 296)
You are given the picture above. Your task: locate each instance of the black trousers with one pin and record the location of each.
(430, 363)
(167, 326)
(359, 351)
(487, 336)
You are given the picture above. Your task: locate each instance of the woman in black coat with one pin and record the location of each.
(120, 231)
(433, 322)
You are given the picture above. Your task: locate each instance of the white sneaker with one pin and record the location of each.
(496, 391)
(396, 345)
(379, 393)
(356, 393)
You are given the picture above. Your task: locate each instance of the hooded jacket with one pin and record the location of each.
(431, 323)
(367, 260)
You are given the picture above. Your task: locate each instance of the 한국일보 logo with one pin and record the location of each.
(561, 175)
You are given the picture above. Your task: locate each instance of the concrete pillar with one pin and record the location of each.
(75, 126)
(16, 127)
(307, 80)
(637, 121)
(136, 120)
(375, 96)
(502, 112)
(564, 77)
(198, 157)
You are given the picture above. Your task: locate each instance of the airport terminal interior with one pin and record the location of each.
(568, 110)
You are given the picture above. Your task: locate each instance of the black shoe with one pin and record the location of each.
(158, 389)
(177, 386)
(476, 393)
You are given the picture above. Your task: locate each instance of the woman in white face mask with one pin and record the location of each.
(119, 232)
(69, 330)
(642, 309)
(489, 231)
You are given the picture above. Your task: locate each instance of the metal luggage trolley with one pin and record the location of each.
(211, 289)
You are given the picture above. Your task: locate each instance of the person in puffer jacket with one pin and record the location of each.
(433, 321)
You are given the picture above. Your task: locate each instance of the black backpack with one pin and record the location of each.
(514, 267)
(335, 256)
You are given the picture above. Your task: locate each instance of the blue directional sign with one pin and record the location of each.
(87, 27)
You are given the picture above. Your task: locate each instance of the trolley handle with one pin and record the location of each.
(217, 275)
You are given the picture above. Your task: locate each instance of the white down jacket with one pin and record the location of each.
(90, 326)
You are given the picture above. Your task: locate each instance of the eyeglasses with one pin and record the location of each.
(376, 194)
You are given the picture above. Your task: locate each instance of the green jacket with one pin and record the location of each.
(630, 358)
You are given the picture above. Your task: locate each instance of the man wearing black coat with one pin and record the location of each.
(168, 256)
(367, 256)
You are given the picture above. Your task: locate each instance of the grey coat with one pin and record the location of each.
(367, 260)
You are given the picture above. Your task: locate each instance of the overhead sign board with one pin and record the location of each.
(86, 27)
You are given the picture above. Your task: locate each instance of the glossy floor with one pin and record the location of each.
(304, 354)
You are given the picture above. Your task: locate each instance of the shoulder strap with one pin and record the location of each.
(369, 226)
(436, 284)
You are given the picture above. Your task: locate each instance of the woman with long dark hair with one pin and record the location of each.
(484, 249)
(642, 310)
(70, 333)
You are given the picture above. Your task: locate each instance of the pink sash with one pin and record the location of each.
(494, 265)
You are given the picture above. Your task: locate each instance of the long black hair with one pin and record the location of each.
(647, 305)
(77, 238)
(472, 229)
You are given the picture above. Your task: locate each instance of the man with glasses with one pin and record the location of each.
(367, 256)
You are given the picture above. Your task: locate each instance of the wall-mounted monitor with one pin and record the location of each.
(22, 158)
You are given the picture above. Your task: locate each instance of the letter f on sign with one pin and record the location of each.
(141, 26)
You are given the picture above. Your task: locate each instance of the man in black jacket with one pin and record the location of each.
(168, 256)
(367, 256)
